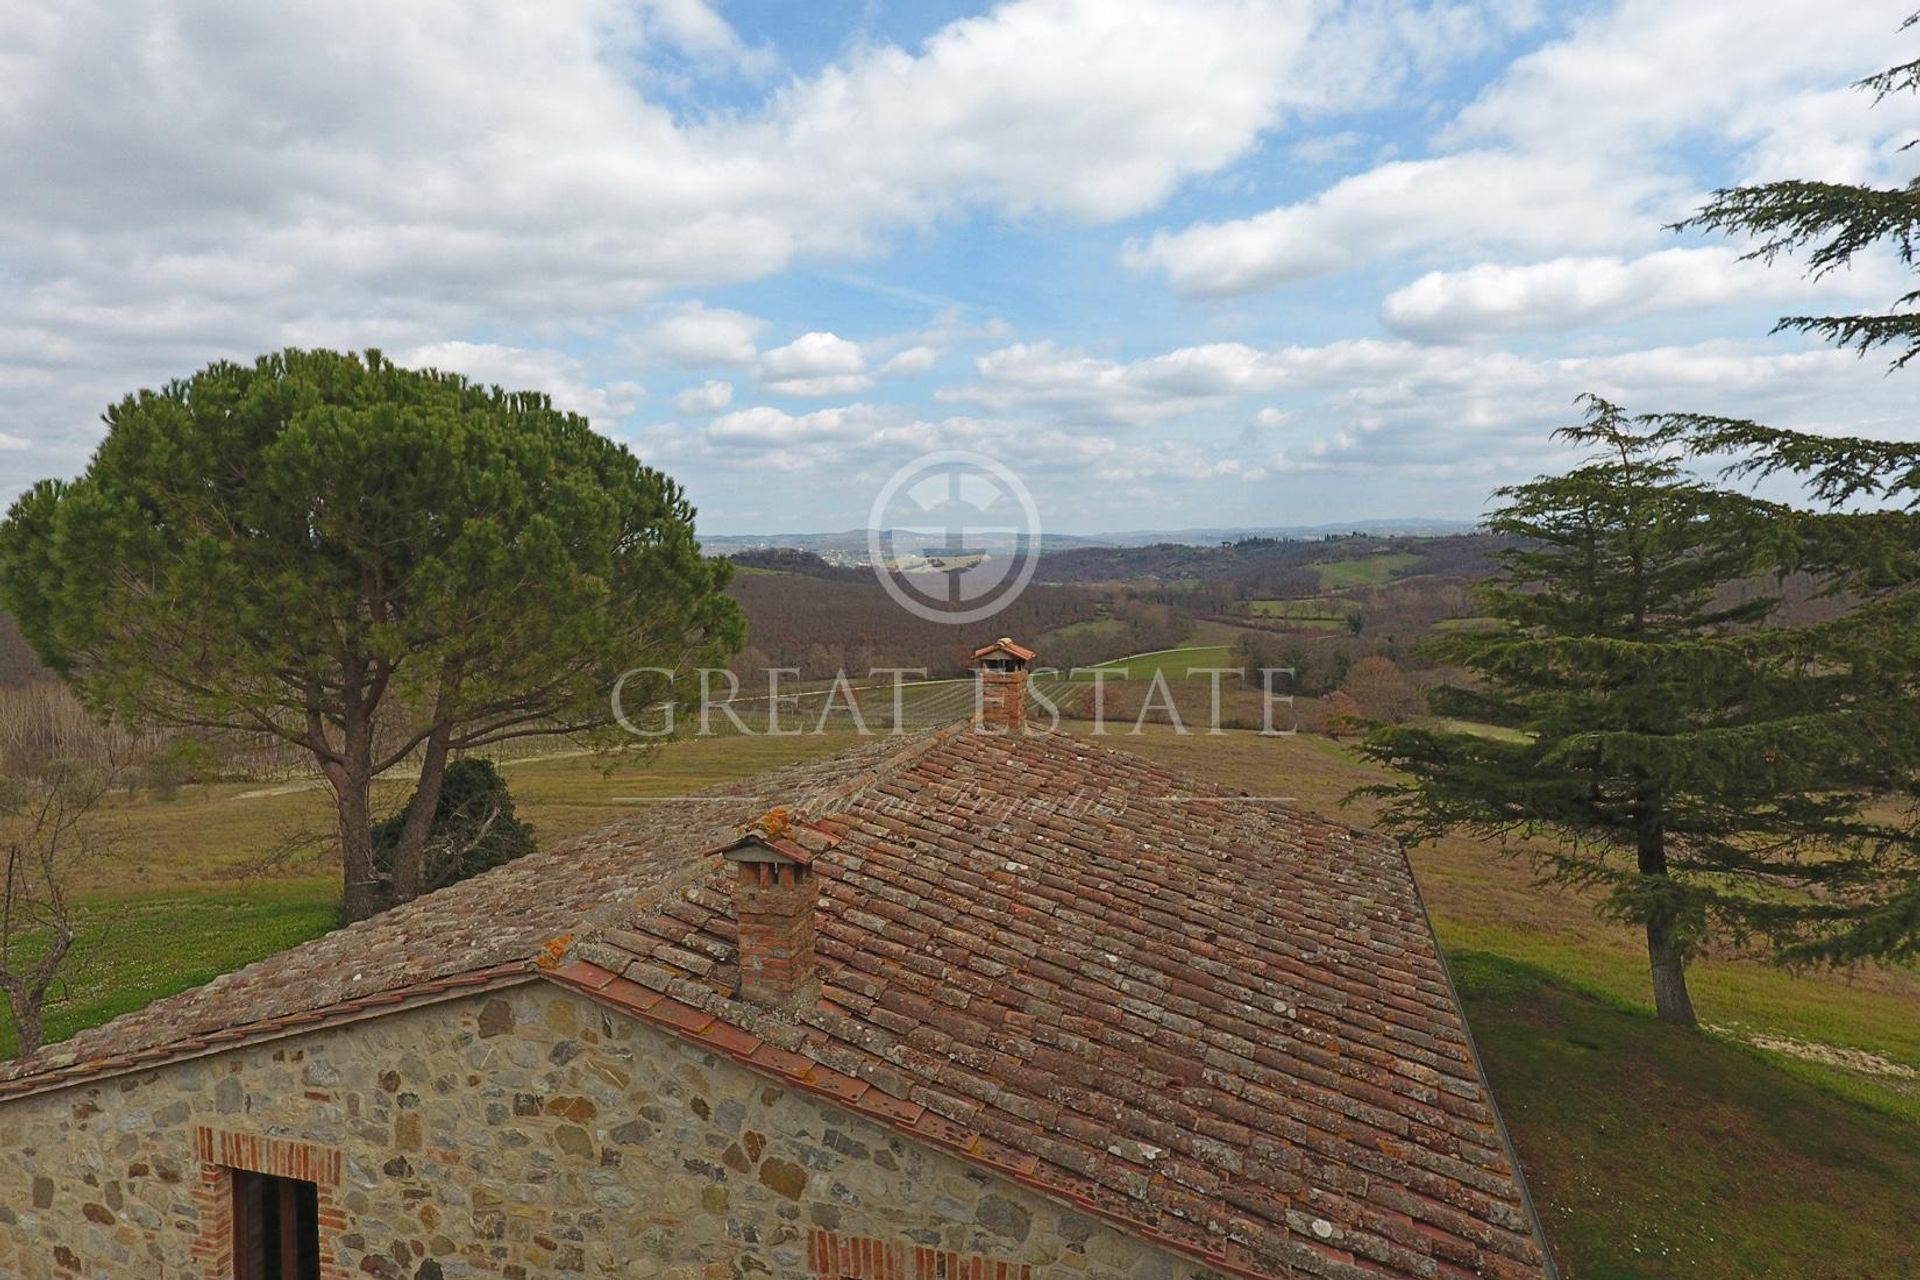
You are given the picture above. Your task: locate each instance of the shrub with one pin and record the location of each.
(1382, 690)
(1338, 715)
(473, 829)
(180, 762)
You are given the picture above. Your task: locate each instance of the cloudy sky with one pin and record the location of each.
(1176, 262)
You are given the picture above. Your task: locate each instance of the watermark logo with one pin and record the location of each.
(659, 703)
(954, 537)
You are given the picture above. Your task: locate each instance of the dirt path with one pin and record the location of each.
(397, 775)
(1828, 1055)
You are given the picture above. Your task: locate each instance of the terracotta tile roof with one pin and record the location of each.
(505, 917)
(1006, 646)
(1220, 1022)
(776, 830)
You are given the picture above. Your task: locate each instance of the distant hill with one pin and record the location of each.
(1273, 566)
(1403, 526)
(851, 546)
(791, 560)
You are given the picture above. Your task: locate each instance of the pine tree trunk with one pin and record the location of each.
(362, 894)
(410, 877)
(1670, 998)
(1664, 953)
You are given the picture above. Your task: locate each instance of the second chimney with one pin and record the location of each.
(775, 899)
(1003, 684)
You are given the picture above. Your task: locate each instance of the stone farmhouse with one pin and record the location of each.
(969, 1004)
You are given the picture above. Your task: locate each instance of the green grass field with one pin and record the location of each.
(135, 947)
(1306, 608)
(1368, 571)
(1174, 662)
(1652, 1153)
(1315, 624)
(1496, 732)
(1077, 630)
(1211, 631)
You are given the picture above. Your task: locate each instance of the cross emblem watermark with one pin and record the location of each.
(954, 537)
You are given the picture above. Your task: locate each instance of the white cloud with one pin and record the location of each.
(1487, 414)
(914, 360)
(438, 169)
(229, 177)
(952, 327)
(1094, 109)
(1828, 135)
(866, 441)
(1572, 150)
(562, 377)
(694, 335)
(1373, 417)
(694, 27)
(815, 364)
(1327, 148)
(710, 397)
(509, 156)
(188, 183)
(1471, 202)
(1641, 71)
(1452, 306)
(765, 425)
(1415, 408)
(1086, 389)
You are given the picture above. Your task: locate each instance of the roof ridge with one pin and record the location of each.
(829, 801)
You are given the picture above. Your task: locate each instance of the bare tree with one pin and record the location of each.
(1382, 690)
(49, 828)
(1337, 715)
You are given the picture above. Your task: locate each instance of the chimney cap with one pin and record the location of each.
(776, 837)
(1004, 645)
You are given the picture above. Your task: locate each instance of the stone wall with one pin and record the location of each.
(519, 1133)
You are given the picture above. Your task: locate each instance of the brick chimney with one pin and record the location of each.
(775, 900)
(1003, 684)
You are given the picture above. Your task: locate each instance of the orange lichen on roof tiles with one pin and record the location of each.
(778, 830)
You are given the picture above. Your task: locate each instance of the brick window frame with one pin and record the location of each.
(220, 1153)
(832, 1256)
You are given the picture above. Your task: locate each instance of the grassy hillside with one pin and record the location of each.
(1652, 1152)
(1367, 571)
(1174, 662)
(1328, 608)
